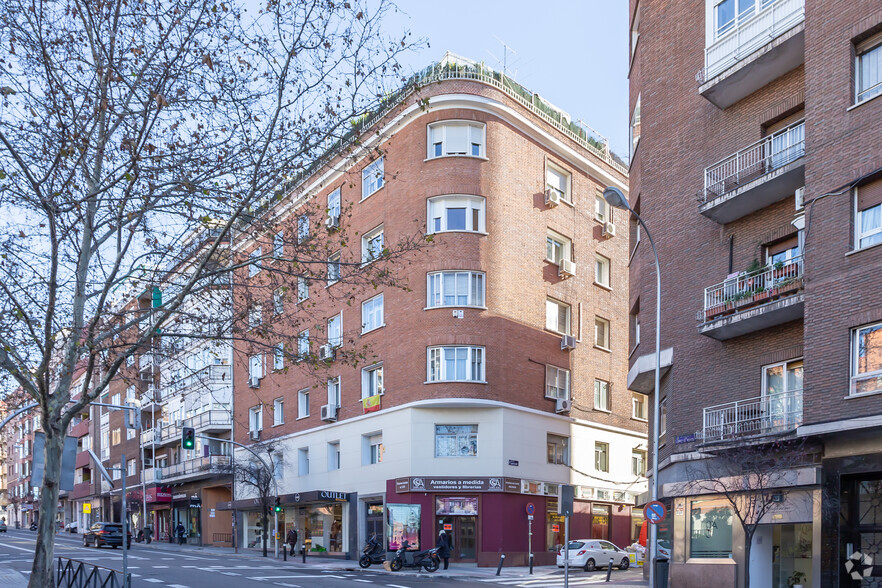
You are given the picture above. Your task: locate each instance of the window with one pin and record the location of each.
(634, 130)
(372, 245)
(130, 360)
(372, 448)
(779, 380)
(557, 180)
(279, 245)
(335, 331)
(372, 314)
(456, 138)
(866, 363)
(456, 364)
(278, 301)
(116, 436)
(455, 289)
(105, 442)
(303, 344)
(279, 356)
(663, 417)
(116, 474)
(557, 316)
(302, 228)
(302, 289)
(710, 533)
(601, 271)
(255, 418)
(601, 333)
(303, 461)
(255, 316)
(131, 467)
(372, 381)
(255, 366)
(130, 393)
(601, 395)
(334, 268)
(334, 456)
(278, 412)
(638, 463)
(601, 209)
(303, 403)
(456, 440)
(334, 204)
(334, 392)
(372, 178)
(601, 456)
(115, 399)
(557, 383)
(868, 68)
(456, 213)
(635, 30)
(130, 434)
(868, 221)
(635, 325)
(558, 449)
(638, 407)
(254, 262)
(557, 248)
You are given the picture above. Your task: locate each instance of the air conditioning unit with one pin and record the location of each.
(329, 412)
(552, 197)
(567, 342)
(563, 405)
(254, 382)
(609, 230)
(326, 353)
(567, 268)
(254, 435)
(800, 198)
(148, 462)
(146, 377)
(332, 222)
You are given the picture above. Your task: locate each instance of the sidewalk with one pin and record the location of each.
(10, 578)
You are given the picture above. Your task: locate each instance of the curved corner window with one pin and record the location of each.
(455, 364)
(456, 213)
(456, 138)
(455, 289)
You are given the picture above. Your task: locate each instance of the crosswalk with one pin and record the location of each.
(551, 581)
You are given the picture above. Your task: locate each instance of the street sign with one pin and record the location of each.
(87, 508)
(529, 517)
(531, 508)
(555, 528)
(654, 512)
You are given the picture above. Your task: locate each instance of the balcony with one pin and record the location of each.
(147, 436)
(202, 467)
(749, 302)
(761, 174)
(81, 490)
(146, 361)
(210, 420)
(759, 47)
(772, 414)
(149, 401)
(207, 378)
(152, 475)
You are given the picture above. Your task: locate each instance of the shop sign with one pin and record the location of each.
(179, 497)
(159, 494)
(327, 495)
(211, 513)
(555, 528)
(87, 508)
(447, 505)
(448, 527)
(403, 523)
(450, 484)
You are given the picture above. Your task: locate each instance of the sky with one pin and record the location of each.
(574, 53)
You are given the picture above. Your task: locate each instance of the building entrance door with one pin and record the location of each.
(464, 532)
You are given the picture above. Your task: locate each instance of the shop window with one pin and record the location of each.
(558, 449)
(456, 440)
(710, 533)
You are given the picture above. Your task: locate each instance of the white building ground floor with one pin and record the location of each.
(486, 472)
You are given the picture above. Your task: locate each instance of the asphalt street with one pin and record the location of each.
(170, 567)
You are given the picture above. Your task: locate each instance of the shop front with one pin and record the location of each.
(186, 509)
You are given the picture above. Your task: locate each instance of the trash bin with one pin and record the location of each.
(661, 572)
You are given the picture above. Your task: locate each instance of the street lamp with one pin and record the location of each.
(616, 198)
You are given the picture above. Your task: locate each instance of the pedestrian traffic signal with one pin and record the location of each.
(188, 438)
(278, 506)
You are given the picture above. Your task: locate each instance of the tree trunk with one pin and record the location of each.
(41, 571)
(748, 540)
(265, 529)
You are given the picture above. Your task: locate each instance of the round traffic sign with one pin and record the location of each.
(531, 508)
(654, 512)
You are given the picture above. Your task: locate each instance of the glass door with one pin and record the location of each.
(782, 405)
(464, 534)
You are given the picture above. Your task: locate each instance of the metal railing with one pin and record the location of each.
(754, 161)
(195, 466)
(777, 412)
(152, 475)
(73, 573)
(209, 418)
(750, 32)
(751, 288)
(211, 374)
(146, 360)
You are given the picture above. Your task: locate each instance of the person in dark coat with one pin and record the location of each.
(291, 540)
(444, 546)
(180, 531)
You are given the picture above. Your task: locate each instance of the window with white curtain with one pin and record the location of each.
(335, 331)
(456, 213)
(557, 383)
(455, 364)
(456, 440)
(456, 138)
(453, 288)
(372, 314)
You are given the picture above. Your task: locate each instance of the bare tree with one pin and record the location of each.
(125, 129)
(259, 481)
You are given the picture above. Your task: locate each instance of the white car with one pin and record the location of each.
(590, 554)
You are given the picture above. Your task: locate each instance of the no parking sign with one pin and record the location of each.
(655, 512)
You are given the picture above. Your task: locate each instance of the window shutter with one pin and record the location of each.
(869, 195)
(457, 140)
(556, 180)
(784, 245)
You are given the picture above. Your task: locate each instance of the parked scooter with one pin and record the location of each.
(33, 526)
(427, 559)
(372, 553)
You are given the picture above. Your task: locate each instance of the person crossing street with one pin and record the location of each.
(291, 540)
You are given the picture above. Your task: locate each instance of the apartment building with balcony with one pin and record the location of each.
(760, 177)
(496, 375)
(24, 497)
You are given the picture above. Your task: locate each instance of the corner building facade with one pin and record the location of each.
(496, 376)
(756, 165)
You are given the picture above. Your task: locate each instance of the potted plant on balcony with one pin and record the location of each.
(796, 579)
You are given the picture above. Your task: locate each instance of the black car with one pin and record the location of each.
(101, 534)
(2, 526)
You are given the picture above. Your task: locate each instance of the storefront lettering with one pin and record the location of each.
(332, 495)
(403, 485)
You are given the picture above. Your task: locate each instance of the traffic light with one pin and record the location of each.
(188, 437)
(278, 506)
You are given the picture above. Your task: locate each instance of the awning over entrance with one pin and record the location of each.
(311, 497)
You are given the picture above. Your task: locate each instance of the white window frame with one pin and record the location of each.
(278, 301)
(553, 310)
(372, 178)
(278, 412)
(634, 128)
(278, 245)
(303, 461)
(601, 464)
(303, 403)
(437, 139)
(461, 436)
(334, 396)
(638, 463)
(255, 316)
(663, 417)
(334, 204)
(334, 456)
(334, 268)
(603, 344)
(557, 382)
(856, 376)
(438, 282)
(255, 418)
(255, 366)
(372, 448)
(558, 449)
(601, 390)
(303, 344)
(475, 363)
(554, 243)
(254, 262)
(641, 400)
(369, 242)
(373, 314)
(602, 266)
(554, 176)
(302, 289)
(279, 356)
(372, 382)
(601, 209)
(335, 331)
(437, 206)
(873, 233)
(302, 228)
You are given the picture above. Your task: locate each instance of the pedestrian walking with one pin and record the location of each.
(291, 540)
(180, 531)
(444, 545)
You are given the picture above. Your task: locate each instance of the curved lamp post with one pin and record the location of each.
(616, 198)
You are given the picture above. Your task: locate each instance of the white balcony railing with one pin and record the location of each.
(195, 466)
(754, 161)
(209, 418)
(753, 288)
(777, 412)
(749, 33)
(207, 376)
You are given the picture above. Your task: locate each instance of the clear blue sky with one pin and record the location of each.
(572, 52)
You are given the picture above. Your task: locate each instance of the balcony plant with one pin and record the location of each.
(796, 579)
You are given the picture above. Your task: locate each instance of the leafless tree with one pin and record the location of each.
(259, 481)
(126, 128)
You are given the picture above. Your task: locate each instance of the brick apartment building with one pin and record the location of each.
(496, 376)
(756, 164)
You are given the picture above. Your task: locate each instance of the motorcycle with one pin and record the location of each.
(372, 553)
(427, 559)
(33, 526)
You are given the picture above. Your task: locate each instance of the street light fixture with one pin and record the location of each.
(616, 198)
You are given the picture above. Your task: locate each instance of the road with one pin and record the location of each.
(164, 566)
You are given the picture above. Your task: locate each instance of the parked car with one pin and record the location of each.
(2, 526)
(590, 554)
(101, 534)
(71, 527)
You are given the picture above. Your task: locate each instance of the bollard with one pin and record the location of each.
(285, 552)
(501, 561)
(303, 552)
(609, 569)
(531, 564)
